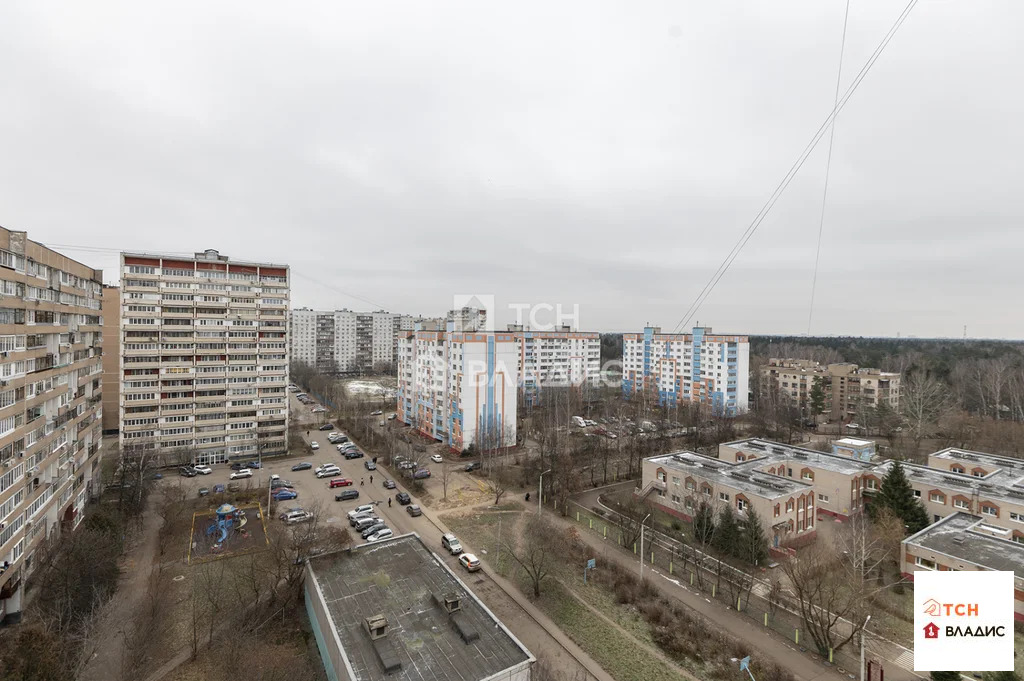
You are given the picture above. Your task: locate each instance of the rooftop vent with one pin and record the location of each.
(450, 602)
(376, 626)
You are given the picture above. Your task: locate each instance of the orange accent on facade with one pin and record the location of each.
(150, 262)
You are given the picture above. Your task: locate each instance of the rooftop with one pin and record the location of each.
(209, 255)
(738, 476)
(404, 582)
(854, 442)
(1003, 485)
(777, 451)
(958, 537)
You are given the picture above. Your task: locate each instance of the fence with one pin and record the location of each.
(722, 582)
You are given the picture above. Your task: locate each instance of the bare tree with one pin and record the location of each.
(925, 400)
(446, 475)
(537, 550)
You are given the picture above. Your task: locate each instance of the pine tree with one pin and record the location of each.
(945, 676)
(727, 532)
(817, 396)
(897, 495)
(1002, 676)
(754, 540)
(704, 524)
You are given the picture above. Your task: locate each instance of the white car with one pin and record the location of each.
(318, 410)
(386, 533)
(314, 444)
(328, 472)
(203, 470)
(365, 508)
(436, 458)
(244, 473)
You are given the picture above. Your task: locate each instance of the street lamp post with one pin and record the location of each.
(642, 545)
(540, 490)
(862, 629)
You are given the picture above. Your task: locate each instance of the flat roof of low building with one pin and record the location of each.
(1002, 485)
(958, 537)
(853, 442)
(406, 583)
(738, 476)
(767, 450)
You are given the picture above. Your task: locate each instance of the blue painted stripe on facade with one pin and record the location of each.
(321, 644)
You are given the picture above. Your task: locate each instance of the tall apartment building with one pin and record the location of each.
(342, 341)
(459, 387)
(848, 388)
(204, 355)
(50, 376)
(701, 367)
(468, 319)
(559, 358)
(111, 359)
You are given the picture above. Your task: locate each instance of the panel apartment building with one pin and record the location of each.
(459, 387)
(560, 358)
(204, 355)
(342, 341)
(848, 388)
(700, 367)
(50, 411)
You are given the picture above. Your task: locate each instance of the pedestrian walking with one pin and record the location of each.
(360, 481)
(371, 479)
(389, 502)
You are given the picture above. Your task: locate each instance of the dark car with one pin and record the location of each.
(253, 464)
(237, 466)
(304, 466)
(347, 495)
(203, 491)
(218, 488)
(403, 498)
(373, 528)
(275, 484)
(234, 487)
(327, 426)
(370, 466)
(473, 466)
(187, 472)
(414, 510)
(421, 473)
(353, 454)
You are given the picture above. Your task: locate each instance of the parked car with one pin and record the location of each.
(203, 491)
(365, 508)
(357, 521)
(328, 472)
(370, 466)
(237, 466)
(353, 454)
(327, 426)
(414, 510)
(340, 482)
(451, 543)
(304, 466)
(421, 474)
(406, 465)
(436, 458)
(218, 488)
(243, 473)
(403, 498)
(234, 486)
(276, 484)
(254, 464)
(376, 413)
(368, 521)
(318, 410)
(389, 483)
(187, 472)
(285, 494)
(382, 424)
(203, 470)
(470, 562)
(473, 466)
(347, 495)
(386, 533)
(376, 527)
(314, 445)
(392, 417)
(296, 515)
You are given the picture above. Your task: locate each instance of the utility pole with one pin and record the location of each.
(862, 629)
(642, 546)
(540, 490)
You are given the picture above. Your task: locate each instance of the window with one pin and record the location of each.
(917, 493)
(871, 483)
(961, 503)
(823, 498)
(690, 485)
(722, 496)
(937, 497)
(807, 475)
(957, 469)
(924, 563)
(777, 510)
(789, 506)
(1017, 517)
(660, 474)
(741, 504)
(988, 509)
(706, 491)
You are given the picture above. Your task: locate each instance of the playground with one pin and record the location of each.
(227, 531)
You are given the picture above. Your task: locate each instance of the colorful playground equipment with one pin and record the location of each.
(228, 517)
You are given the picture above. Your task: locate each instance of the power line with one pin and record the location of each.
(794, 169)
(104, 249)
(828, 169)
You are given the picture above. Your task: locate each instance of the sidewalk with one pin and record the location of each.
(764, 643)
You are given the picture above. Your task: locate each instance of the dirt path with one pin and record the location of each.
(136, 566)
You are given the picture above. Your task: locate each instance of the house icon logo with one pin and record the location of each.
(932, 607)
(931, 630)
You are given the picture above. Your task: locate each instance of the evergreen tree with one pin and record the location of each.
(817, 397)
(1002, 676)
(897, 495)
(727, 532)
(754, 541)
(704, 524)
(945, 676)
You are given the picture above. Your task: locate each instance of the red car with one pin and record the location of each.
(340, 482)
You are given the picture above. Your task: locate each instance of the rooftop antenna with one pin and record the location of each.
(965, 333)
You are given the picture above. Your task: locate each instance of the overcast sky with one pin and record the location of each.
(600, 154)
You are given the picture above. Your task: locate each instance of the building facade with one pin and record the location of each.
(342, 341)
(111, 359)
(468, 319)
(459, 387)
(204, 356)
(699, 367)
(561, 358)
(848, 389)
(51, 342)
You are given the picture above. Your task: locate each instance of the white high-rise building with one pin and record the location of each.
(204, 355)
(468, 319)
(460, 387)
(559, 358)
(342, 341)
(702, 367)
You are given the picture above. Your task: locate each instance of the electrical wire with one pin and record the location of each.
(828, 170)
(794, 169)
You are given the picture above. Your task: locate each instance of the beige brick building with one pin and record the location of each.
(848, 388)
